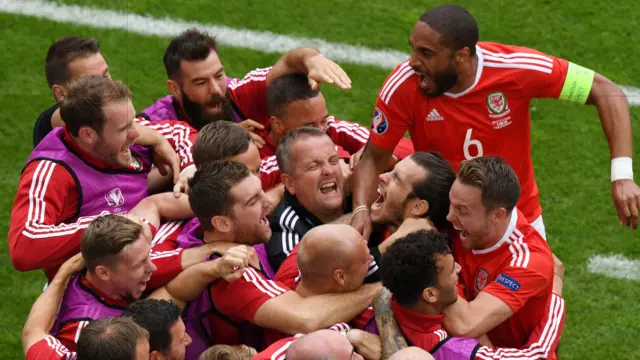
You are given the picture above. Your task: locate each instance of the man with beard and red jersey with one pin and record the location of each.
(202, 93)
(231, 207)
(465, 99)
(91, 166)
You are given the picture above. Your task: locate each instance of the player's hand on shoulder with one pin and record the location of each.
(72, 266)
(182, 185)
(252, 126)
(626, 197)
(231, 266)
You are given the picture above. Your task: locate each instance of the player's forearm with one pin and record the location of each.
(295, 60)
(196, 255)
(364, 178)
(52, 249)
(43, 311)
(323, 311)
(192, 281)
(613, 109)
(391, 336)
(461, 320)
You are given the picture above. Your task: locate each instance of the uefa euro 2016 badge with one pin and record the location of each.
(380, 123)
(481, 279)
(497, 103)
(114, 198)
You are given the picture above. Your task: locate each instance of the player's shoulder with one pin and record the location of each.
(255, 75)
(513, 58)
(269, 164)
(527, 247)
(401, 78)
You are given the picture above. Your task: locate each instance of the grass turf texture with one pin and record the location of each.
(569, 150)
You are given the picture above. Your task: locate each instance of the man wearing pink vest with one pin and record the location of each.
(90, 167)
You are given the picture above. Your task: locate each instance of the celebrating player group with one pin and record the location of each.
(238, 218)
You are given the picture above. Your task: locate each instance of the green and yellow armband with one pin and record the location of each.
(577, 84)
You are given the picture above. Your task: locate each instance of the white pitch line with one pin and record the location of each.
(263, 41)
(615, 266)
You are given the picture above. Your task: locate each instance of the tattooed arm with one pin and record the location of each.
(390, 335)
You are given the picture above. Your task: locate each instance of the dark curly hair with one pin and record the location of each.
(157, 317)
(409, 265)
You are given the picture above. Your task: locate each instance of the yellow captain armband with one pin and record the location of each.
(577, 84)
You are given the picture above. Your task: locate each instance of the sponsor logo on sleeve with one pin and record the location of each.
(508, 282)
(380, 123)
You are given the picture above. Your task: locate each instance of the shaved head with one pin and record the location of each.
(333, 257)
(411, 353)
(321, 345)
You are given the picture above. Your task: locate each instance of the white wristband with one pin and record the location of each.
(621, 168)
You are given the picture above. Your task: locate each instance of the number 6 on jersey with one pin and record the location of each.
(469, 143)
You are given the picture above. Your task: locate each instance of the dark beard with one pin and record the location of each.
(196, 112)
(444, 81)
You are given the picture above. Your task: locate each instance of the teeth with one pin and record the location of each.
(379, 191)
(328, 185)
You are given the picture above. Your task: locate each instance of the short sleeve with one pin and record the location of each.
(249, 94)
(243, 297)
(516, 285)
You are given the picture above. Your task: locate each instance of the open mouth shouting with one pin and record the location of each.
(464, 235)
(328, 187)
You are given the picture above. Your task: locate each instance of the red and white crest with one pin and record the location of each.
(481, 279)
(497, 102)
(114, 198)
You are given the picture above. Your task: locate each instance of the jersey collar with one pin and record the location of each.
(478, 75)
(505, 236)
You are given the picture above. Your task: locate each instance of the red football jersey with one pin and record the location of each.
(490, 118)
(49, 348)
(518, 270)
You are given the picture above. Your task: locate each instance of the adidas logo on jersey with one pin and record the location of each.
(434, 115)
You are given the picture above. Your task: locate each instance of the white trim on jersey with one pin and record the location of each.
(406, 73)
(164, 231)
(481, 64)
(290, 238)
(281, 353)
(269, 165)
(505, 237)
(264, 285)
(538, 350)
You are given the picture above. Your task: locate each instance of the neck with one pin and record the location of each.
(328, 217)
(275, 139)
(104, 286)
(427, 309)
(306, 290)
(496, 233)
(217, 236)
(466, 79)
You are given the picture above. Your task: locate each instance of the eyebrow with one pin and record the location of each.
(129, 123)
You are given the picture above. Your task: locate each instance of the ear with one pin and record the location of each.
(174, 88)
(58, 92)
(339, 276)
(430, 295)
(287, 180)
(156, 355)
(499, 214)
(417, 207)
(222, 223)
(88, 135)
(277, 126)
(102, 272)
(463, 54)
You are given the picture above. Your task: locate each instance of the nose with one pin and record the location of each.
(458, 268)
(187, 339)
(450, 215)
(134, 133)
(384, 177)
(214, 88)
(151, 266)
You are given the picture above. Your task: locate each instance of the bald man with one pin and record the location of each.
(411, 353)
(333, 258)
(322, 344)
